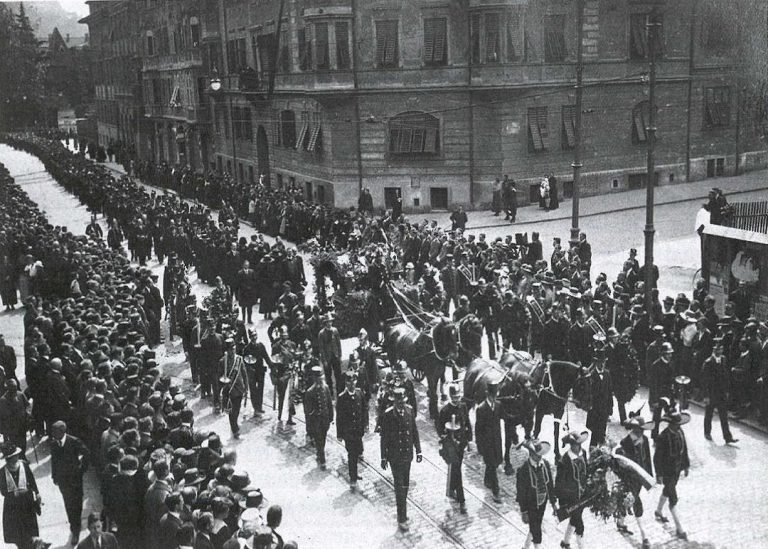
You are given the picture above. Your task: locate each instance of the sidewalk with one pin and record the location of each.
(614, 202)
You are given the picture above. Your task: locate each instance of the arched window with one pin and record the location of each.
(414, 133)
(640, 117)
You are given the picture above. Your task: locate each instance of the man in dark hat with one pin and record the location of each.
(233, 369)
(247, 294)
(453, 421)
(661, 379)
(635, 446)
(601, 388)
(671, 459)
(535, 486)
(69, 460)
(352, 423)
(715, 385)
(13, 415)
(211, 351)
(255, 356)
(399, 438)
(488, 437)
(318, 408)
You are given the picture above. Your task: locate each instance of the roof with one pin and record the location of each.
(736, 234)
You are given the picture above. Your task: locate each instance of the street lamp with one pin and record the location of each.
(215, 81)
(577, 165)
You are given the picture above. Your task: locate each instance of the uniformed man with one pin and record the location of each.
(367, 355)
(635, 446)
(284, 353)
(351, 424)
(402, 380)
(318, 408)
(535, 486)
(488, 437)
(233, 368)
(399, 437)
(602, 398)
(671, 459)
(453, 425)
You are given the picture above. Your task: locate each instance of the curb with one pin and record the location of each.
(618, 210)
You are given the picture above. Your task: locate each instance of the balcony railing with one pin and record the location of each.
(748, 216)
(190, 115)
(174, 61)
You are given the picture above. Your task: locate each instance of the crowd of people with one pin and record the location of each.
(96, 342)
(90, 325)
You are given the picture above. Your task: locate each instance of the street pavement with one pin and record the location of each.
(723, 502)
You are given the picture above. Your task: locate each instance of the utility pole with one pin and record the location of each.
(689, 100)
(653, 26)
(577, 132)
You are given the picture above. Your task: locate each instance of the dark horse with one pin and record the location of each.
(526, 385)
(440, 343)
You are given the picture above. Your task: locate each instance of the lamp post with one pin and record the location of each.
(577, 131)
(216, 87)
(653, 25)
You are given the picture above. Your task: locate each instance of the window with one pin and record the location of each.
(194, 31)
(277, 137)
(213, 52)
(640, 118)
(474, 32)
(305, 50)
(717, 107)
(342, 45)
(538, 129)
(492, 38)
(554, 38)
(285, 52)
(414, 133)
(639, 47)
(265, 44)
(386, 44)
(288, 128)
(568, 138)
(515, 37)
(236, 55)
(150, 43)
(175, 98)
(435, 30)
(322, 50)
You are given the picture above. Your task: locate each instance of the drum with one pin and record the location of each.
(250, 360)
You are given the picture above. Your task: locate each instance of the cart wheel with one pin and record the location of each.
(418, 375)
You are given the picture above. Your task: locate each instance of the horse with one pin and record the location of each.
(528, 390)
(439, 344)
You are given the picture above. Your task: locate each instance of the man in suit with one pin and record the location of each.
(204, 531)
(171, 522)
(318, 407)
(715, 382)
(246, 285)
(670, 460)
(211, 351)
(453, 422)
(154, 502)
(69, 460)
(488, 437)
(97, 538)
(7, 359)
(329, 342)
(352, 423)
(399, 437)
(255, 356)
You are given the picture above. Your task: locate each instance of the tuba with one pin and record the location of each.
(536, 309)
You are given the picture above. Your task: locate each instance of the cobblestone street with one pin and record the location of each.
(724, 502)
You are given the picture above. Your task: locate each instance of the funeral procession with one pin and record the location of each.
(432, 274)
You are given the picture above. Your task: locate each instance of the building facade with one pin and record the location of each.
(433, 100)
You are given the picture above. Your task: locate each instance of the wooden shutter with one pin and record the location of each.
(537, 128)
(492, 49)
(554, 38)
(321, 46)
(441, 39)
(569, 125)
(304, 130)
(638, 121)
(638, 35)
(474, 32)
(342, 45)
(515, 38)
(429, 40)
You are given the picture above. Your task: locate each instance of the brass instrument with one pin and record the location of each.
(681, 390)
(595, 326)
(536, 309)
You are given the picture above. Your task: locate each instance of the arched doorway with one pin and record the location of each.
(262, 152)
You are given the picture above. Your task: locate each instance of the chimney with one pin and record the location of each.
(67, 38)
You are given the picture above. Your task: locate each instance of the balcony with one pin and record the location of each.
(245, 81)
(186, 59)
(190, 115)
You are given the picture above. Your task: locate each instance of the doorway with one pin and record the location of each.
(438, 198)
(390, 197)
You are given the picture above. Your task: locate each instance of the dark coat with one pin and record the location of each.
(68, 463)
(671, 455)
(661, 378)
(571, 478)
(318, 408)
(716, 380)
(640, 454)
(526, 485)
(464, 435)
(19, 511)
(166, 531)
(108, 541)
(488, 433)
(399, 435)
(247, 287)
(351, 415)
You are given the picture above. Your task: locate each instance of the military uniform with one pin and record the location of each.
(488, 436)
(351, 423)
(399, 436)
(459, 440)
(318, 408)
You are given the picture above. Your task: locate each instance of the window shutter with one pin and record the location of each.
(321, 45)
(381, 42)
(639, 35)
(514, 37)
(543, 127)
(475, 38)
(429, 40)
(304, 130)
(638, 121)
(534, 128)
(569, 125)
(390, 53)
(441, 38)
(342, 45)
(492, 37)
